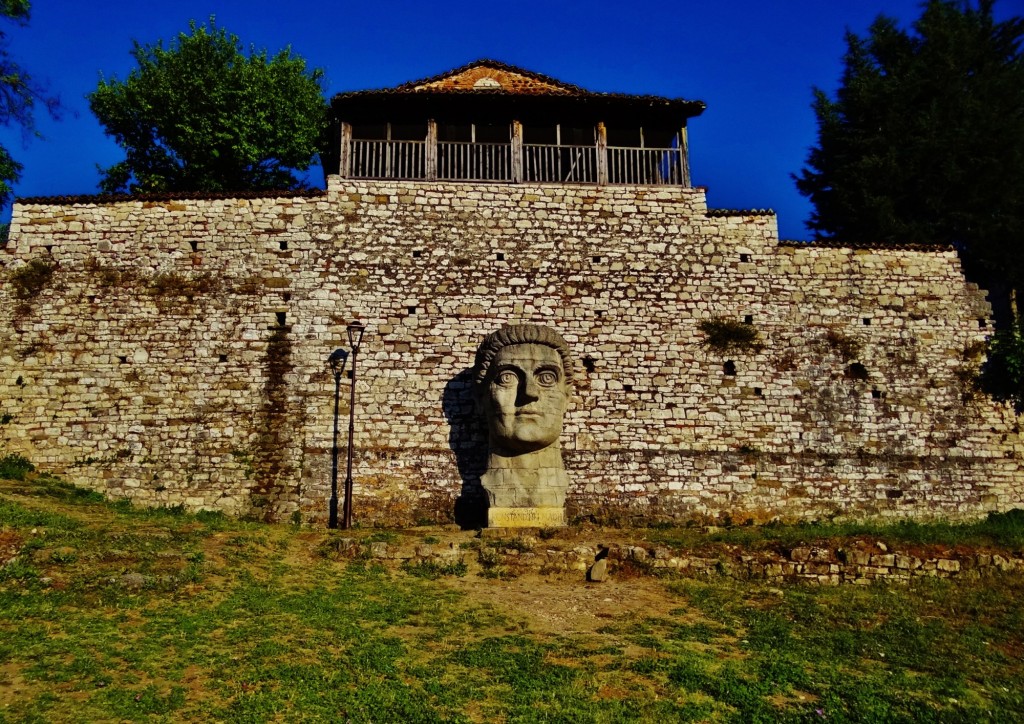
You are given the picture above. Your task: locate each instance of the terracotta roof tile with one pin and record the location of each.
(879, 245)
(100, 199)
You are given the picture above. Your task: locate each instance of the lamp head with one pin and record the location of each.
(355, 335)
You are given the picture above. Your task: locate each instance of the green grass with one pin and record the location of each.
(240, 621)
(1004, 530)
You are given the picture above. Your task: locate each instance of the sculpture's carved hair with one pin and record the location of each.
(520, 334)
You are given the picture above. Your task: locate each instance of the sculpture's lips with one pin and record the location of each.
(529, 413)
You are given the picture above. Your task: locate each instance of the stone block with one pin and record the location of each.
(525, 517)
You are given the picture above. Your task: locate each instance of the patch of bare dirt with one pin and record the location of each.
(561, 605)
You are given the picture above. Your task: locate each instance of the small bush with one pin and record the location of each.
(28, 280)
(173, 284)
(723, 335)
(15, 467)
(847, 347)
(381, 536)
(433, 570)
(108, 277)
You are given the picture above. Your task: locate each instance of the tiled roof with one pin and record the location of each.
(167, 196)
(739, 212)
(523, 82)
(881, 245)
(549, 84)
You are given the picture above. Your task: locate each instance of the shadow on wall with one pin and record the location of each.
(467, 438)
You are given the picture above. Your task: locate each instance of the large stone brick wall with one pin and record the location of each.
(177, 354)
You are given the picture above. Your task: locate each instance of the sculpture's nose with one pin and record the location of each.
(530, 390)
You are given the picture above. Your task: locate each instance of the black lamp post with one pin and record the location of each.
(337, 364)
(355, 338)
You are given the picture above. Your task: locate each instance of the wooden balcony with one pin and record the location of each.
(514, 162)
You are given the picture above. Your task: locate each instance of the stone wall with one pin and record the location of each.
(177, 354)
(860, 563)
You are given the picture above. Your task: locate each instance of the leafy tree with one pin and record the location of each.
(200, 115)
(19, 94)
(1003, 374)
(924, 141)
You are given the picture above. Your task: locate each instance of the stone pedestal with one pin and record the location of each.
(543, 517)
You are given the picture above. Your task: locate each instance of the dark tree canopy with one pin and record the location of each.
(924, 141)
(19, 96)
(201, 115)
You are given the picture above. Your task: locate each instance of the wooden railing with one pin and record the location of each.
(645, 166)
(389, 159)
(458, 161)
(543, 163)
(561, 164)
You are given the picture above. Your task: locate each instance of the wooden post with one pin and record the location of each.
(345, 161)
(431, 150)
(517, 152)
(684, 156)
(602, 153)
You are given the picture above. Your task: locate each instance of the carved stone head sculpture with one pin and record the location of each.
(522, 381)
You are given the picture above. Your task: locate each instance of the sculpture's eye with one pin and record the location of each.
(547, 378)
(508, 378)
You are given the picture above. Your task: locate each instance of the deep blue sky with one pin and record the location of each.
(753, 63)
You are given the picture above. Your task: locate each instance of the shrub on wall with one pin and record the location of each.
(28, 280)
(724, 335)
(847, 347)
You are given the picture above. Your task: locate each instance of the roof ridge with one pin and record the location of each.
(498, 65)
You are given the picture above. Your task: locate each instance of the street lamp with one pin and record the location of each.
(355, 338)
(337, 364)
